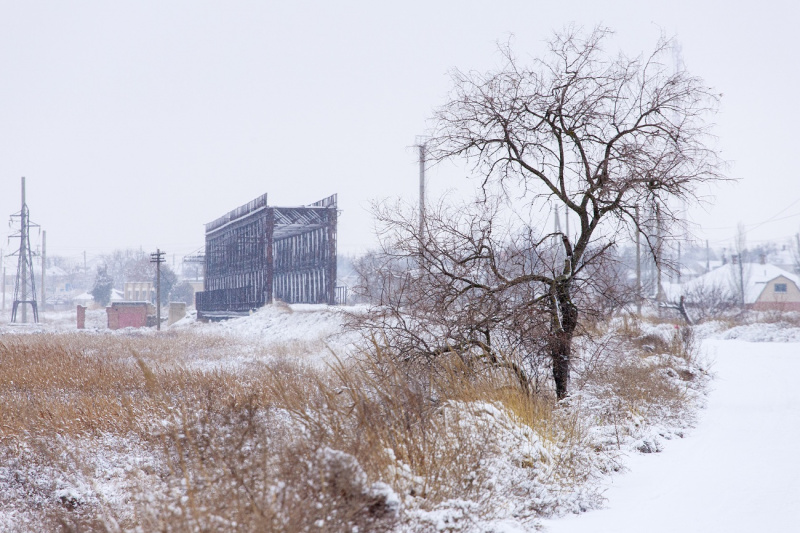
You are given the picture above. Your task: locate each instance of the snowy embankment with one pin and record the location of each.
(738, 471)
(312, 334)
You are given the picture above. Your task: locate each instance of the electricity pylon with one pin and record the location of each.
(25, 286)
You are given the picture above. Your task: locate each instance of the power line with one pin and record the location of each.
(773, 218)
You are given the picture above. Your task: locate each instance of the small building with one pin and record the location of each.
(139, 291)
(116, 296)
(766, 287)
(127, 315)
(85, 299)
(781, 292)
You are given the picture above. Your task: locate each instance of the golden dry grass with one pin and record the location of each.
(225, 440)
(272, 446)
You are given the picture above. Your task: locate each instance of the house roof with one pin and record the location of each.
(117, 296)
(726, 278)
(56, 271)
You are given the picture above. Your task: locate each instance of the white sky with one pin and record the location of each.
(137, 122)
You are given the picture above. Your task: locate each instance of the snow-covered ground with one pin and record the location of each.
(738, 471)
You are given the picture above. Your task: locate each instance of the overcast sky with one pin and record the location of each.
(137, 122)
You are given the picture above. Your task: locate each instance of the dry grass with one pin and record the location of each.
(74, 384)
(281, 447)
(644, 373)
(112, 432)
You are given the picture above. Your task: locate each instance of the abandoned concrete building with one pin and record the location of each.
(257, 253)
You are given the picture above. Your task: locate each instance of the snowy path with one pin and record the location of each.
(738, 471)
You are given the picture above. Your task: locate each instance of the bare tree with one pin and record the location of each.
(476, 284)
(708, 302)
(446, 291)
(128, 265)
(595, 133)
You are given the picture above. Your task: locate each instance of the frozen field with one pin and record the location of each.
(738, 471)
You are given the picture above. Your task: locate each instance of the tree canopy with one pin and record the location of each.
(600, 136)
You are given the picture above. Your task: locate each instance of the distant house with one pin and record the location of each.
(766, 287)
(85, 299)
(139, 291)
(59, 289)
(117, 296)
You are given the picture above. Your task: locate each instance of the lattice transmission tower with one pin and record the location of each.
(25, 286)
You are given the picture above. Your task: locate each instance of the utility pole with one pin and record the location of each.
(741, 277)
(25, 285)
(679, 262)
(158, 258)
(422, 156)
(44, 269)
(638, 266)
(659, 251)
(556, 222)
(708, 258)
(3, 264)
(797, 261)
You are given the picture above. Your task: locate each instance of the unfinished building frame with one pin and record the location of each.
(257, 253)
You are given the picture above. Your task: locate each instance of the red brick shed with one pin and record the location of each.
(127, 315)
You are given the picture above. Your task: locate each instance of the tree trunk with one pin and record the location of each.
(565, 320)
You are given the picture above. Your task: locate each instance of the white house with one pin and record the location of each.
(766, 287)
(84, 299)
(117, 296)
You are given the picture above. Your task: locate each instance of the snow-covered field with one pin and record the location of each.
(738, 471)
(733, 469)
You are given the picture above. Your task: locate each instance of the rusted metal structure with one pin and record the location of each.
(257, 253)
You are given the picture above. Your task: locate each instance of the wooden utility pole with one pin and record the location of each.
(638, 266)
(659, 252)
(741, 277)
(556, 222)
(158, 258)
(422, 156)
(797, 260)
